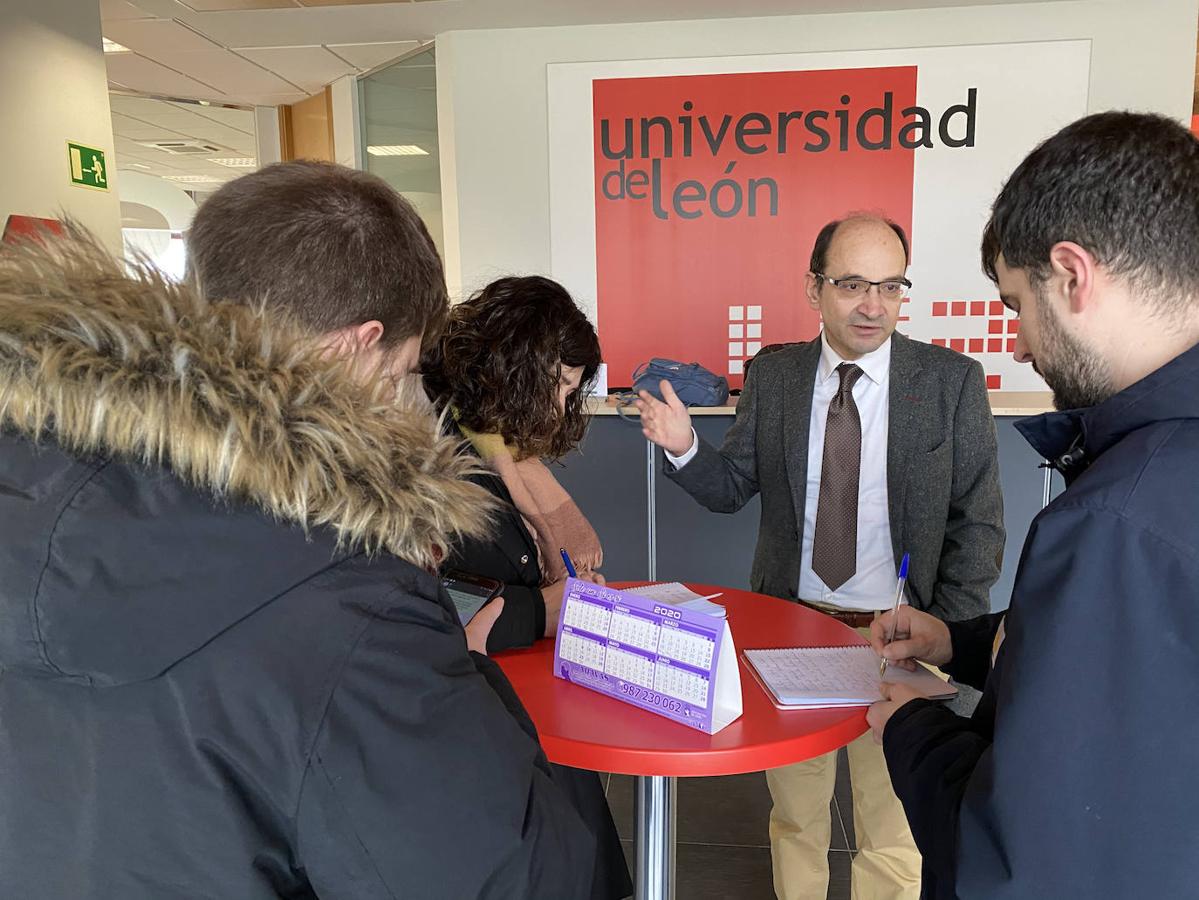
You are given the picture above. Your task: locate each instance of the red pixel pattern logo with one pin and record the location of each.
(1001, 331)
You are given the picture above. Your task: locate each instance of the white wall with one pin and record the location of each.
(166, 197)
(347, 122)
(54, 89)
(491, 89)
(266, 135)
(157, 244)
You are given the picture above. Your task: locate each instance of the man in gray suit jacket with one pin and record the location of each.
(864, 445)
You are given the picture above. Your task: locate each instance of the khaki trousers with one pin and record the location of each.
(887, 865)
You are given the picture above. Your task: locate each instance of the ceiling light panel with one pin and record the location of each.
(397, 150)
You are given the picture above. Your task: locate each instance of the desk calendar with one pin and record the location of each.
(678, 663)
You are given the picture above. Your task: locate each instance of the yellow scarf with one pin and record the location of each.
(550, 514)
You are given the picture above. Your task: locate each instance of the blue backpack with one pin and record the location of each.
(694, 384)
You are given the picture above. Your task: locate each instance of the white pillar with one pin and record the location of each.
(347, 122)
(451, 249)
(54, 90)
(266, 135)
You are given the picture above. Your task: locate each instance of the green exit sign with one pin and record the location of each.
(88, 168)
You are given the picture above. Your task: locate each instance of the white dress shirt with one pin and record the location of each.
(873, 584)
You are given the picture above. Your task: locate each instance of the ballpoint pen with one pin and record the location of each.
(903, 580)
(570, 567)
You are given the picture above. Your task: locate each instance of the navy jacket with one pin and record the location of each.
(1076, 775)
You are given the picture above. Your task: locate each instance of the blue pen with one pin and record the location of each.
(570, 567)
(903, 580)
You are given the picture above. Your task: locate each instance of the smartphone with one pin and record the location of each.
(469, 593)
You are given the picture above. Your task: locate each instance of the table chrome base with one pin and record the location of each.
(655, 805)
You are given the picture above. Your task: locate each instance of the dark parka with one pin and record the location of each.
(225, 668)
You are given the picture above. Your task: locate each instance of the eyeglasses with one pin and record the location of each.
(859, 287)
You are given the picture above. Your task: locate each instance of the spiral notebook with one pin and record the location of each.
(822, 677)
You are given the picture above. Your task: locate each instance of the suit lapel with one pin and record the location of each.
(798, 382)
(906, 398)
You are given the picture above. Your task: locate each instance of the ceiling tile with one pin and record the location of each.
(226, 71)
(139, 107)
(122, 122)
(216, 133)
(367, 56)
(241, 119)
(137, 129)
(271, 99)
(227, 5)
(119, 11)
(247, 147)
(347, 2)
(310, 67)
(123, 155)
(141, 74)
(166, 161)
(151, 133)
(157, 37)
(175, 120)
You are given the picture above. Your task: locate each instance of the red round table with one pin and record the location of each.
(587, 730)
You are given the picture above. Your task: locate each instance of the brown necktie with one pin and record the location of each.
(835, 545)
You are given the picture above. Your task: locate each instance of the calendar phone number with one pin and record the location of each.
(646, 696)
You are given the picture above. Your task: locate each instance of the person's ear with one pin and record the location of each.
(1073, 272)
(355, 339)
(811, 286)
(368, 334)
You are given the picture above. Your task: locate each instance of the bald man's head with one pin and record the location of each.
(857, 281)
(824, 240)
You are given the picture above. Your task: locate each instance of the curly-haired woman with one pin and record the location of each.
(512, 367)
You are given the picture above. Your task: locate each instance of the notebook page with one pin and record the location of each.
(830, 676)
(818, 674)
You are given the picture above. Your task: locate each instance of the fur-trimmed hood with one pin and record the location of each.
(231, 399)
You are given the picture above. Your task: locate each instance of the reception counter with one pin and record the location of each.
(1003, 403)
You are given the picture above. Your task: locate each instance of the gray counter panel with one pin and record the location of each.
(607, 479)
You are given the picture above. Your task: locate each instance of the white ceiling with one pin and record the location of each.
(270, 52)
(273, 52)
(139, 120)
(170, 55)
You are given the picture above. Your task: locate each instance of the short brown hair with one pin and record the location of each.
(333, 246)
(499, 364)
(1124, 186)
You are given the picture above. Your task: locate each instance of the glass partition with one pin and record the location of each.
(399, 129)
